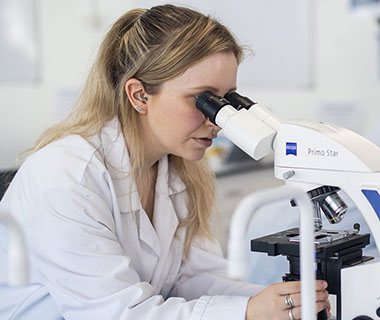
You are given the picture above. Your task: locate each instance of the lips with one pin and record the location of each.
(206, 142)
(210, 137)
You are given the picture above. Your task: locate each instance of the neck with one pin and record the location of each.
(153, 150)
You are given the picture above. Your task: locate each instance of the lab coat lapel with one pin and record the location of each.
(116, 160)
(165, 219)
(148, 235)
(128, 200)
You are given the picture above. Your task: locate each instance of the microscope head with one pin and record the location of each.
(252, 132)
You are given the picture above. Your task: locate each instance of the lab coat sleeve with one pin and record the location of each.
(77, 257)
(205, 273)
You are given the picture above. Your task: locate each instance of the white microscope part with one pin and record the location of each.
(237, 244)
(246, 131)
(309, 154)
(323, 154)
(18, 271)
(261, 112)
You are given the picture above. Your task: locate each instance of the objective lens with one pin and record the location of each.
(317, 216)
(334, 208)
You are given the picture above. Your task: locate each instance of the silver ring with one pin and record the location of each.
(289, 301)
(291, 314)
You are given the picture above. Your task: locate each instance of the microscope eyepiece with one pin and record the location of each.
(238, 101)
(210, 104)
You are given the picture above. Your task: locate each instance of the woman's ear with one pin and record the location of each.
(136, 95)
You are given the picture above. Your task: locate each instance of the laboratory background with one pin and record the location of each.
(305, 59)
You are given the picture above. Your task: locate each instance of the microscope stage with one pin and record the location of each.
(328, 243)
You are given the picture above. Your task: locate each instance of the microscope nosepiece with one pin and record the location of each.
(327, 200)
(334, 208)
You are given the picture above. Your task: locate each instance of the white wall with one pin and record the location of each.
(347, 66)
(346, 69)
(68, 41)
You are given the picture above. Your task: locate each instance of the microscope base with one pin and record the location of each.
(361, 291)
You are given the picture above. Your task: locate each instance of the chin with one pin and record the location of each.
(194, 155)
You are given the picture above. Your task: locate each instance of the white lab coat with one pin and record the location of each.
(94, 252)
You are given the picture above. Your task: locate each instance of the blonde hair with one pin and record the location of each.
(152, 46)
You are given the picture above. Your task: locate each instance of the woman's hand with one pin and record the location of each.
(274, 301)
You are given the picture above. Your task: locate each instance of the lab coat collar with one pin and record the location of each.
(117, 161)
(176, 185)
(165, 219)
(119, 167)
(168, 184)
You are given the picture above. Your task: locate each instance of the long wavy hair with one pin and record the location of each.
(153, 46)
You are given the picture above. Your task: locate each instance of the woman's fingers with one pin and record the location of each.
(320, 285)
(284, 288)
(322, 295)
(322, 305)
(291, 300)
(295, 299)
(290, 292)
(296, 311)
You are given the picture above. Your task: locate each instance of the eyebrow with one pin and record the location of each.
(212, 89)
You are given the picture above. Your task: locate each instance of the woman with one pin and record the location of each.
(115, 201)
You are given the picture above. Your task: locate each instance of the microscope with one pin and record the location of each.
(322, 160)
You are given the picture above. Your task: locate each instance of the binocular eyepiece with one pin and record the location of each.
(210, 104)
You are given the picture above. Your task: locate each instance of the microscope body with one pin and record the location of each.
(310, 154)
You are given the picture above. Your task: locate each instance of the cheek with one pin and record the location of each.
(178, 121)
(187, 129)
(192, 120)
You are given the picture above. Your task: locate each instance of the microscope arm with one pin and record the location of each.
(324, 154)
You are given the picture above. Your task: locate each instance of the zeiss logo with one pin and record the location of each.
(291, 148)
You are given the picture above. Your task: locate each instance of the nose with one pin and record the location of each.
(214, 127)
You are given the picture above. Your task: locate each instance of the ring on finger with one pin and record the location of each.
(291, 314)
(289, 301)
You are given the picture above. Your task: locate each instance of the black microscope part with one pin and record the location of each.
(316, 193)
(323, 315)
(210, 104)
(238, 101)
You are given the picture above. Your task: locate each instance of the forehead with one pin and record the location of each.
(217, 71)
